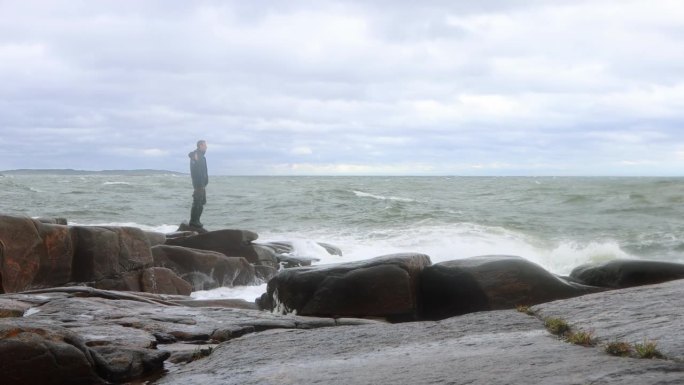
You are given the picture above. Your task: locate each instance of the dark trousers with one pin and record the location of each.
(199, 199)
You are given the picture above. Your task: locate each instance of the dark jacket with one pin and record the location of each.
(198, 169)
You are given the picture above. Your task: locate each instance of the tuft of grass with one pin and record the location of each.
(556, 326)
(647, 349)
(618, 348)
(524, 309)
(201, 353)
(581, 338)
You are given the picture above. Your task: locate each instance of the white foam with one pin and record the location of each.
(117, 183)
(248, 293)
(461, 240)
(159, 229)
(31, 311)
(571, 254)
(380, 197)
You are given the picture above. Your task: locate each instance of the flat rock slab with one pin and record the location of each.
(500, 347)
(497, 347)
(654, 313)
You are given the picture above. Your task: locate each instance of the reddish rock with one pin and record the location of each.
(56, 264)
(21, 248)
(30, 354)
(33, 254)
(104, 252)
(161, 280)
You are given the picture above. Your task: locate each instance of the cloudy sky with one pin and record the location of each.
(436, 87)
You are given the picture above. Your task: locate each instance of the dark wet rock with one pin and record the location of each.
(231, 243)
(103, 252)
(33, 254)
(490, 283)
(203, 269)
(39, 353)
(380, 287)
(622, 273)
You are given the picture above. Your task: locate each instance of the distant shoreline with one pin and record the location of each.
(85, 172)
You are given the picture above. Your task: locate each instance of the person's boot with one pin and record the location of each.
(195, 213)
(199, 214)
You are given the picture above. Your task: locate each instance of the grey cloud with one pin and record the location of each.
(443, 83)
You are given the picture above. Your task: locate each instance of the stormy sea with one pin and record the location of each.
(556, 222)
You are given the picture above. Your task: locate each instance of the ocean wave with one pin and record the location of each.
(381, 197)
(463, 240)
(117, 183)
(155, 228)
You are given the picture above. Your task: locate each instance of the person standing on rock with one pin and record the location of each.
(200, 179)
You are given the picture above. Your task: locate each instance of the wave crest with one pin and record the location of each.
(381, 197)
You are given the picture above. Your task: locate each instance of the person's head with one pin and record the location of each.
(202, 145)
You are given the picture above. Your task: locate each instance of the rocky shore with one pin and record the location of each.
(98, 305)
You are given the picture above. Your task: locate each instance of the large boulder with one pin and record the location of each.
(490, 282)
(232, 243)
(622, 273)
(204, 269)
(103, 252)
(34, 354)
(33, 254)
(160, 280)
(385, 286)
